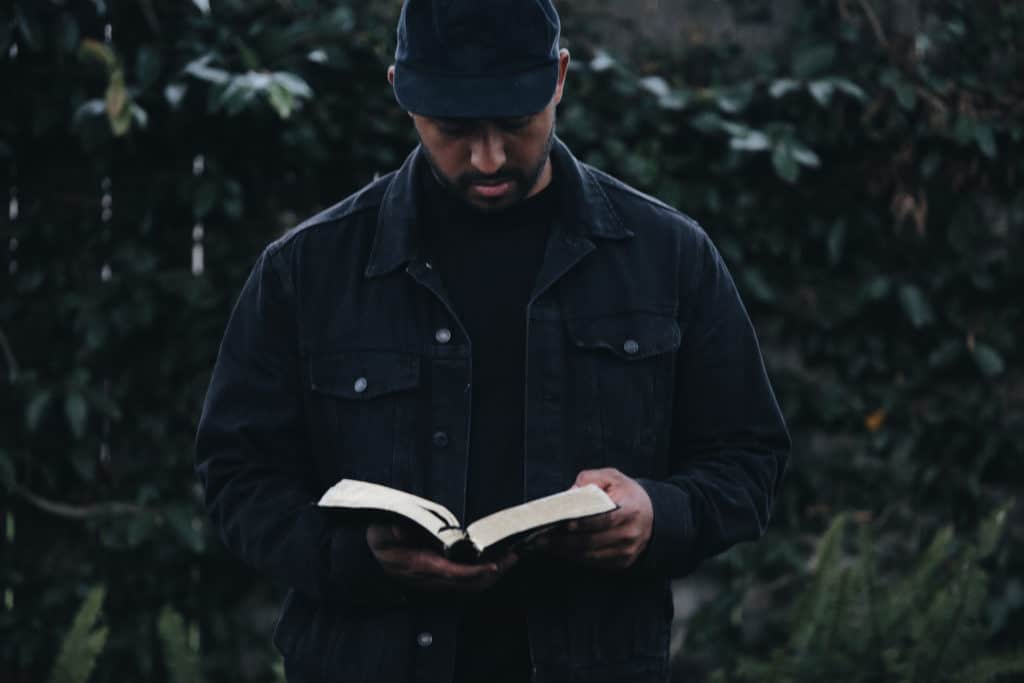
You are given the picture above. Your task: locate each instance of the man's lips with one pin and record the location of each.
(492, 190)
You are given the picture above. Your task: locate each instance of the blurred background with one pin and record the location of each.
(857, 162)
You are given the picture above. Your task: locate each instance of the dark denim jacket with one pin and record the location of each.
(640, 356)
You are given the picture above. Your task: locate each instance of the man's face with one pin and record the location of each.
(490, 164)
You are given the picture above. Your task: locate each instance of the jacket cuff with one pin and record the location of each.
(355, 575)
(671, 536)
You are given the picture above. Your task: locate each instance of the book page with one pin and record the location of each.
(572, 504)
(363, 495)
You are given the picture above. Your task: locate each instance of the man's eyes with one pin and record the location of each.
(457, 128)
(454, 129)
(513, 124)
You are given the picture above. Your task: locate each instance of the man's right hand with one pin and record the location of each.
(401, 551)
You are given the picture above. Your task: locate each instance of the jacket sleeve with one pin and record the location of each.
(252, 456)
(729, 444)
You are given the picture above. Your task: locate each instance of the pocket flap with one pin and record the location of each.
(361, 375)
(630, 336)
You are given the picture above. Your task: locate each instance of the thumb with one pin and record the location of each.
(603, 478)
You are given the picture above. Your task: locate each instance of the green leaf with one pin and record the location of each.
(7, 476)
(946, 353)
(991, 530)
(905, 95)
(601, 61)
(118, 110)
(656, 85)
(836, 242)
(198, 68)
(751, 141)
(878, 287)
(850, 88)
(28, 27)
(205, 198)
(174, 93)
(68, 33)
(785, 162)
(757, 285)
(139, 116)
(988, 360)
(84, 642)
(186, 526)
(76, 410)
(293, 84)
(281, 100)
(986, 140)
(148, 64)
(94, 50)
(783, 86)
(181, 658)
(734, 100)
(88, 110)
(805, 156)
(813, 60)
(821, 91)
(916, 306)
(963, 130)
(36, 408)
(707, 122)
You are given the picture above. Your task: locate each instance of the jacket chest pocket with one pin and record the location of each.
(623, 369)
(362, 412)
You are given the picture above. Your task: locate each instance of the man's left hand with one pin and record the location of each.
(615, 539)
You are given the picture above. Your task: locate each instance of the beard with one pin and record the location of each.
(523, 180)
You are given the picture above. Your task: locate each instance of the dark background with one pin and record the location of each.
(857, 162)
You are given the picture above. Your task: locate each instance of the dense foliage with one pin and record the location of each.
(863, 182)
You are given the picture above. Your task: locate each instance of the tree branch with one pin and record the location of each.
(876, 25)
(12, 363)
(78, 512)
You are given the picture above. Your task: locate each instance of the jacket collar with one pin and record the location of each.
(587, 211)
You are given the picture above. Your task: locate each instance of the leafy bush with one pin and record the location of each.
(863, 184)
(83, 643)
(870, 618)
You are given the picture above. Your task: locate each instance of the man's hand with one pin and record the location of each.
(615, 539)
(401, 551)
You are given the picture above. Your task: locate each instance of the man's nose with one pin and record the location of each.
(487, 151)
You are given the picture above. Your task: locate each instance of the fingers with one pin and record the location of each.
(607, 520)
(431, 564)
(399, 552)
(396, 534)
(581, 543)
(605, 477)
(608, 550)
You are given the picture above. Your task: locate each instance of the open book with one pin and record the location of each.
(519, 523)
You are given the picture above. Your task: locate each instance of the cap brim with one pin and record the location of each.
(475, 97)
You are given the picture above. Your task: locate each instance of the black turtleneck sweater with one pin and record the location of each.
(489, 264)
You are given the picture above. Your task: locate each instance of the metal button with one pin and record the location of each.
(360, 385)
(631, 346)
(425, 639)
(440, 439)
(443, 335)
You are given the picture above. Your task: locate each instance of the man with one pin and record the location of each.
(491, 323)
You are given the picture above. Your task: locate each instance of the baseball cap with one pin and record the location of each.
(476, 58)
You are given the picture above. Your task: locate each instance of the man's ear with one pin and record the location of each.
(563, 70)
(391, 75)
